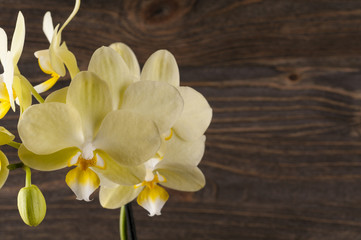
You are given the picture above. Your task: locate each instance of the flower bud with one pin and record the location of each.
(31, 205)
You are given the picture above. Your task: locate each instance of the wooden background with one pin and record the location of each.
(283, 155)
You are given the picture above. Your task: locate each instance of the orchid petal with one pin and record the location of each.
(184, 152)
(161, 66)
(4, 108)
(83, 182)
(90, 96)
(48, 27)
(128, 56)
(4, 171)
(158, 101)
(127, 137)
(5, 136)
(55, 61)
(181, 177)
(153, 199)
(17, 43)
(44, 86)
(118, 174)
(50, 127)
(117, 197)
(68, 59)
(9, 77)
(3, 46)
(58, 96)
(49, 162)
(23, 93)
(196, 115)
(43, 57)
(110, 67)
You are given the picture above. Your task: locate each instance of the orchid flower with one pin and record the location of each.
(11, 81)
(5, 138)
(104, 144)
(176, 169)
(52, 60)
(161, 66)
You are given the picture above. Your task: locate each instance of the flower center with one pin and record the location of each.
(157, 178)
(84, 160)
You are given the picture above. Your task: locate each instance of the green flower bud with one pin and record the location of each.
(31, 205)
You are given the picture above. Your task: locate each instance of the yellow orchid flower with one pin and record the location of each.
(176, 169)
(104, 144)
(5, 138)
(52, 60)
(158, 101)
(12, 84)
(161, 66)
(197, 114)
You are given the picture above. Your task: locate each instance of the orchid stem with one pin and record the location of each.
(130, 218)
(123, 224)
(14, 144)
(28, 176)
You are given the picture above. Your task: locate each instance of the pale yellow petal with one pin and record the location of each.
(17, 43)
(9, 77)
(4, 172)
(58, 96)
(184, 152)
(110, 67)
(127, 137)
(23, 93)
(55, 61)
(90, 96)
(48, 27)
(4, 108)
(117, 197)
(82, 182)
(3, 45)
(196, 115)
(5, 136)
(181, 177)
(158, 101)
(161, 66)
(68, 59)
(44, 86)
(128, 56)
(49, 127)
(47, 162)
(153, 199)
(43, 57)
(116, 173)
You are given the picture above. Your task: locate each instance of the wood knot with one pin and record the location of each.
(159, 11)
(293, 77)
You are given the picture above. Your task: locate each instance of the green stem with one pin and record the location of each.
(14, 144)
(28, 176)
(123, 224)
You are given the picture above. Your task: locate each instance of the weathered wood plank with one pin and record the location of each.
(283, 151)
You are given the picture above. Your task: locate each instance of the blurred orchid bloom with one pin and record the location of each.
(11, 81)
(52, 60)
(104, 144)
(176, 169)
(5, 138)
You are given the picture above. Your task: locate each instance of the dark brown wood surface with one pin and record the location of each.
(283, 153)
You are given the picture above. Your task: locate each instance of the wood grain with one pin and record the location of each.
(283, 151)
